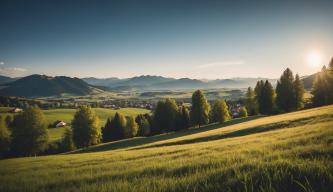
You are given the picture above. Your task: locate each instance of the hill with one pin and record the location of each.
(5, 79)
(288, 152)
(308, 81)
(44, 86)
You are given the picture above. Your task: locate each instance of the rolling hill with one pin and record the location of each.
(5, 79)
(44, 86)
(288, 152)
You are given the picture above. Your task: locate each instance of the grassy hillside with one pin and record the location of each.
(289, 152)
(67, 115)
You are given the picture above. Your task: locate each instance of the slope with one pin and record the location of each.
(289, 152)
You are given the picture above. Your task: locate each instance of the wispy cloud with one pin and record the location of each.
(220, 64)
(11, 71)
(2, 63)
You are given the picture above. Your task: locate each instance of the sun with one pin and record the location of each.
(314, 59)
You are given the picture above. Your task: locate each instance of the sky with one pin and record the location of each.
(195, 39)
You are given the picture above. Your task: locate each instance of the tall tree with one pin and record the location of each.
(322, 88)
(4, 137)
(165, 116)
(267, 98)
(250, 103)
(200, 109)
(67, 143)
(285, 92)
(115, 129)
(86, 128)
(299, 92)
(144, 125)
(183, 119)
(29, 132)
(220, 112)
(131, 128)
(258, 95)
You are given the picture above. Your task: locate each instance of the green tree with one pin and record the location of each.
(165, 116)
(250, 102)
(285, 92)
(115, 128)
(131, 129)
(29, 132)
(86, 128)
(267, 98)
(259, 95)
(67, 142)
(4, 137)
(299, 93)
(220, 112)
(183, 119)
(200, 109)
(242, 112)
(322, 88)
(144, 125)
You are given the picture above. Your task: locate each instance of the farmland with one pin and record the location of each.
(66, 115)
(288, 152)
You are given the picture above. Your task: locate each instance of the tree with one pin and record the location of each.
(67, 142)
(322, 88)
(86, 128)
(29, 132)
(258, 95)
(250, 103)
(299, 92)
(267, 98)
(4, 137)
(144, 125)
(242, 112)
(131, 129)
(183, 119)
(165, 116)
(200, 109)
(9, 121)
(114, 128)
(285, 92)
(220, 112)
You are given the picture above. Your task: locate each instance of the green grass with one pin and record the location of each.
(289, 152)
(67, 115)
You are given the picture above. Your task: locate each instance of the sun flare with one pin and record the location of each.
(314, 59)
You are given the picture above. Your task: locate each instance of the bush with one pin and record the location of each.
(242, 112)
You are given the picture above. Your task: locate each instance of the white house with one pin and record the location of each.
(61, 124)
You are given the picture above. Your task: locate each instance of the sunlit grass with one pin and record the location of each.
(289, 152)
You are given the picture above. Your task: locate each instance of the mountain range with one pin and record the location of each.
(44, 86)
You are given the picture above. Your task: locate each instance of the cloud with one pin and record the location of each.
(2, 63)
(10, 71)
(220, 64)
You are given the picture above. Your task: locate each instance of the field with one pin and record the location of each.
(67, 115)
(288, 152)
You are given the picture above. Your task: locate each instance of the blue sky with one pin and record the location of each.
(196, 39)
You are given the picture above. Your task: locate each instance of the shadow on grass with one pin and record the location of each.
(248, 131)
(137, 141)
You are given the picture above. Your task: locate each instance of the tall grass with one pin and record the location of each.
(290, 152)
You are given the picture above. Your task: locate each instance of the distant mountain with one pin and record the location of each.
(162, 83)
(106, 82)
(4, 79)
(43, 86)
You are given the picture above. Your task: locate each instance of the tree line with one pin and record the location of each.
(27, 133)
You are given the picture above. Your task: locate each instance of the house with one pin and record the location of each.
(61, 124)
(17, 110)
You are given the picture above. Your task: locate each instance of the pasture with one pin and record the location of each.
(288, 152)
(67, 115)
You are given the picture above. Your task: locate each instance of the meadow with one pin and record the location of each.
(66, 115)
(288, 152)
